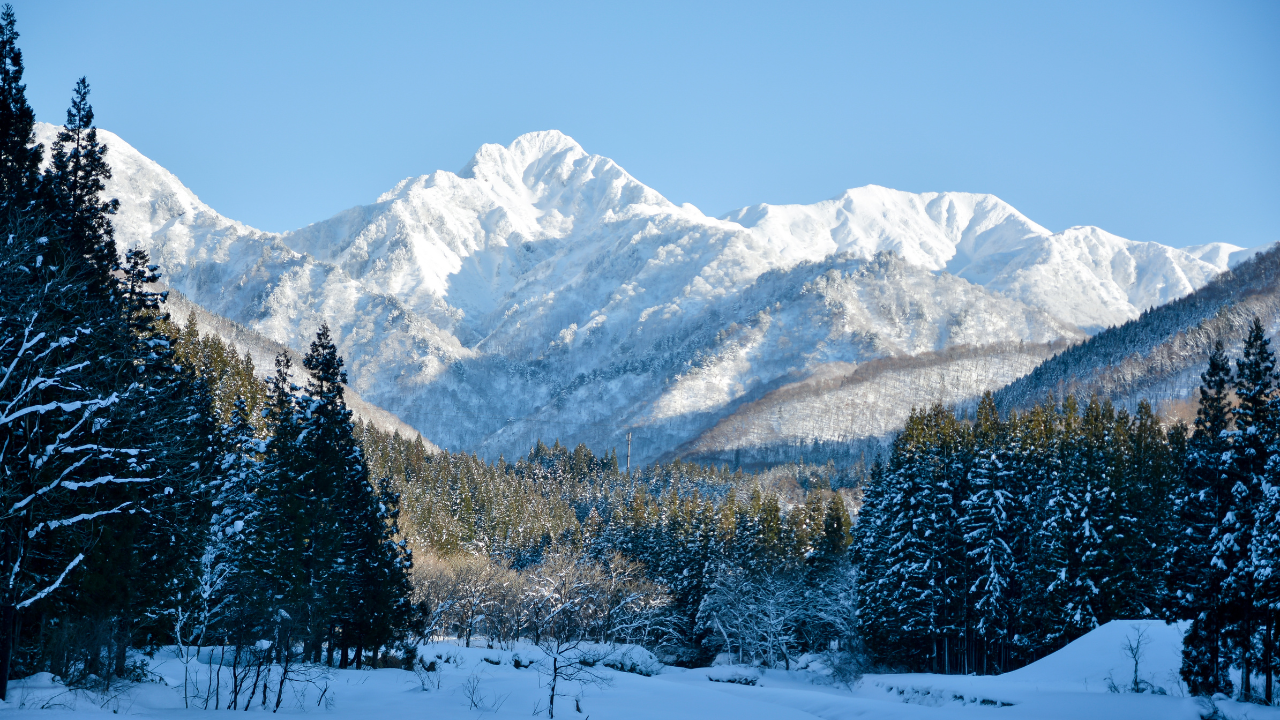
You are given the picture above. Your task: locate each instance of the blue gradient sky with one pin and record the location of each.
(1156, 121)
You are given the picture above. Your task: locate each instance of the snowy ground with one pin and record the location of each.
(1072, 683)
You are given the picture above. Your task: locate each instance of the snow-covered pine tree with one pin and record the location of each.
(1147, 471)
(1266, 551)
(1201, 503)
(71, 190)
(1064, 522)
(278, 553)
(829, 591)
(1038, 464)
(1245, 471)
(49, 405)
(899, 577)
(223, 596)
(353, 562)
(1090, 514)
(93, 469)
(992, 521)
(1255, 386)
(952, 455)
(144, 561)
(228, 583)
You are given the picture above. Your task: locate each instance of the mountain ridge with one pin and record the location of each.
(545, 291)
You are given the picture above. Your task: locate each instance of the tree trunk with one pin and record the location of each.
(1246, 664)
(329, 649)
(1267, 653)
(8, 639)
(555, 675)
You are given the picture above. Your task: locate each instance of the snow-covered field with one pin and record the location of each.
(477, 682)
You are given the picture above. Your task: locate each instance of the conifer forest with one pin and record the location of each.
(159, 488)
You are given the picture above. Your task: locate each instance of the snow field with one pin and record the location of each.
(479, 682)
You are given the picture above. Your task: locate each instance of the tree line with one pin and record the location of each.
(985, 543)
(703, 550)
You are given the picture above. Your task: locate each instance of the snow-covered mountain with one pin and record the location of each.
(1083, 275)
(1159, 357)
(544, 292)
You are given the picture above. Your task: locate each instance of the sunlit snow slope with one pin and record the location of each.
(544, 292)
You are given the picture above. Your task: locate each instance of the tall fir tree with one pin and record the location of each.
(71, 192)
(992, 521)
(1255, 585)
(1243, 469)
(1201, 504)
(20, 155)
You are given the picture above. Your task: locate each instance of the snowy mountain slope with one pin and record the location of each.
(1159, 356)
(544, 292)
(855, 408)
(1083, 275)
(262, 350)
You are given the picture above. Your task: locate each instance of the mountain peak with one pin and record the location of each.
(528, 150)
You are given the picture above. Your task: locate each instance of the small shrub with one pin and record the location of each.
(736, 679)
(428, 674)
(629, 665)
(846, 667)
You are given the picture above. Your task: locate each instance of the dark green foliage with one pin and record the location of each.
(1201, 505)
(19, 154)
(986, 544)
(107, 443)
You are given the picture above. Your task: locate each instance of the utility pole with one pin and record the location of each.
(628, 453)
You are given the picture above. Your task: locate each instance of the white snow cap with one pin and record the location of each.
(551, 287)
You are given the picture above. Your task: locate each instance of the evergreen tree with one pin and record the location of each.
(1257, 588)
(1244, 469)
(230, 586)
(992, 521)
(899, 592)
(71, 192)
(280, 560)
(20, 155)
(1201, 505)
(353, 565)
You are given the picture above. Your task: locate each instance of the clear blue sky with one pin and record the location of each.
(1156, 121)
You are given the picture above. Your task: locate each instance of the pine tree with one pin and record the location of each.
(992, 520)
(1258, 588)
(71, 192)
(900, 589)
(233, 563)
(1201, 505)
(352, 563)
(1245, 471)
(1039, 465)
(1148, 467)
(20, 155)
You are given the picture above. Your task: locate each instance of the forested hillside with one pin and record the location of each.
(1158, 356)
